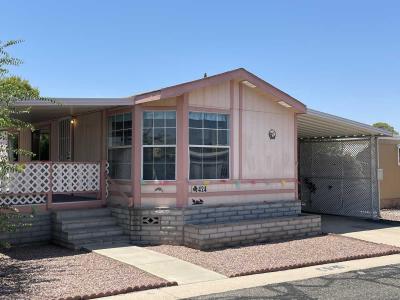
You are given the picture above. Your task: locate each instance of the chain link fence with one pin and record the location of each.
(339, 176)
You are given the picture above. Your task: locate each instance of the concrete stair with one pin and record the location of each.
(87, 229)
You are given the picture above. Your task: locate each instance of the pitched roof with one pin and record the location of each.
(237, 74)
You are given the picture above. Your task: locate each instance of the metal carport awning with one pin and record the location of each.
(338, 161)
(316, 124)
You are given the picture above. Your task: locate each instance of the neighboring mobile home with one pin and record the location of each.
(181, 161)
(389, 163)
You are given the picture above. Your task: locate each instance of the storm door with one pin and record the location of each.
(65, 139)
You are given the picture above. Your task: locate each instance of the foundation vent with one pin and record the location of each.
(150, 220)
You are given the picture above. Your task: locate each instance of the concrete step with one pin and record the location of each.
(95, 243)
(117, 241)
(88, 233)
(81, 214)
(74, 228)
(69, 224)
(105, 245)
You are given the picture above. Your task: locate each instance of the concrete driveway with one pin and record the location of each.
(368, 230)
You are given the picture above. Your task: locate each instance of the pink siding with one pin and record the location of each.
(261, 169)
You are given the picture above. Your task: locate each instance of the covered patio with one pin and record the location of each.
(69, 167)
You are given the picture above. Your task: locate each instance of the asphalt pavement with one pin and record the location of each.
(376, 283)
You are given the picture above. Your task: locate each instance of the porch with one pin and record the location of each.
(69, 167)
(47, 185)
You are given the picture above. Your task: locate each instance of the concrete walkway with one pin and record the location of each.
(367, 230)
(161, 265)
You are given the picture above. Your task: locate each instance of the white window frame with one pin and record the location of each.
(210, 146)
(109, 147)
(158, 146)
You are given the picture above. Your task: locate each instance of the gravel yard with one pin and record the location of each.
(390, 214)
(50, 272)
(278, 256)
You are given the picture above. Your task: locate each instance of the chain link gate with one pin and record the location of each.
(339, 176)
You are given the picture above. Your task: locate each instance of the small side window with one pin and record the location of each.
(120, 145)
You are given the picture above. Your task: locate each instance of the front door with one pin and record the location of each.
(41, 144)
(65, 140)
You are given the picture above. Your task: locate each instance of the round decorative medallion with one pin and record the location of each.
(272, 134)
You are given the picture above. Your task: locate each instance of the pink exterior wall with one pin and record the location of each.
(263, 157)
(88, 131)
(260, 169)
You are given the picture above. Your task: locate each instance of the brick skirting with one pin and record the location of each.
(169, 225)
(187, 226)
(221, 235)
(37, 231)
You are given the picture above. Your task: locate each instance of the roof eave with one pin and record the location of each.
(238, 74)
(77, 102)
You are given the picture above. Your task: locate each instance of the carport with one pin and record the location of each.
(338, 165)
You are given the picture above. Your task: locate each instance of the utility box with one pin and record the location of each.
(380, 174)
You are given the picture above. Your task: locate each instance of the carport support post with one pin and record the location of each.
(374, 179)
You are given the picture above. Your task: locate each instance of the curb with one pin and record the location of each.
(388, 222)
(314, 263)
(136, 288)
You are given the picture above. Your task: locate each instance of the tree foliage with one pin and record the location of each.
(12, 89)
(6, 60)
(385, 126)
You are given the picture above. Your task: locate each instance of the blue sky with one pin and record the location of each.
(340, 57)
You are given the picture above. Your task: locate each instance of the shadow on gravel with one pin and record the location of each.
(38, 252)
(16, 277)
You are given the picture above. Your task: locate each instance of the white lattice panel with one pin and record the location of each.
(22, 199)
(34, 179)
(76, 177)
(31, 185)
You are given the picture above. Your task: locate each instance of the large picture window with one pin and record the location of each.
(159, 145)
(209, 145)
(120, 145)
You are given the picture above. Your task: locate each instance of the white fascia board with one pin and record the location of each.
(78, 102)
